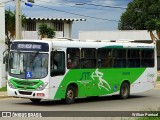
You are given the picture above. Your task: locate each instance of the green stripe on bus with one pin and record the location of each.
(26, 84)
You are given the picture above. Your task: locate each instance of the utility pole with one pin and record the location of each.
(18, 20)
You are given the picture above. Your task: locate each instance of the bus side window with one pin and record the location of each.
(119, 58)
(73, 58)
(57, 63)
(134, 56)
(147, 58)
(88, 58)
(104, 57)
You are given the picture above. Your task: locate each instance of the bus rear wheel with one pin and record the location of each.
(35, 100)
(70, 95)
(124, 90)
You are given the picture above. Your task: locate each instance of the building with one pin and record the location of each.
(2, 44)
(62, 26)
(136, 35)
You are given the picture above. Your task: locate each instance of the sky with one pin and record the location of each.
(98, 16)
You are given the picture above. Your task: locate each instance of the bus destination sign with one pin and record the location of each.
(30, 46)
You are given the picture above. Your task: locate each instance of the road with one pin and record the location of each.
(149, 100)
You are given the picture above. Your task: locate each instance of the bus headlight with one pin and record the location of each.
(41, 87)
(11, 85)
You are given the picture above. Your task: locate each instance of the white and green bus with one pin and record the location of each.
(64, 69)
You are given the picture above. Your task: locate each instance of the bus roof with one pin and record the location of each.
(89, 44)
(64, 43)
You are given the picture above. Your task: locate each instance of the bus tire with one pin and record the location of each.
(124, 90)
(35, 100)
(70, 95)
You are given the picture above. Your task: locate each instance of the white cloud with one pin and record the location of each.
(105, 2)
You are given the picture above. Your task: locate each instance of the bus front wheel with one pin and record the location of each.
(70, 95)
(35, 100)
(124, 90)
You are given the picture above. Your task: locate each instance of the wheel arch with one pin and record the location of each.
(127, 90)
(125, 81)
(75, 86)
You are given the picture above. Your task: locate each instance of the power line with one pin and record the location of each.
(77, 6)
(69, 12)
(75, 13)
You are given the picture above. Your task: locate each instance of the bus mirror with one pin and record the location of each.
(5, 56)
(4, 59)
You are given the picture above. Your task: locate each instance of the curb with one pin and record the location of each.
(157, 86)
(4, 96)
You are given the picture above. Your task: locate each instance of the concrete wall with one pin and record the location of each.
(34, 34)
(115, 35)
(67, 30)
(2, 44)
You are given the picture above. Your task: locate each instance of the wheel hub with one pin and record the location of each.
(70, 94)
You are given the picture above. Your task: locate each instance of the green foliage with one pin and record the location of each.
(141, 15)
(3, 89)
(50, 33)
(148, 118)
(10, 26)
(46, 31)
(158, 78)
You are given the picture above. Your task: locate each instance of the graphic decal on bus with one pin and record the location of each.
(102, 83)
(150, 77)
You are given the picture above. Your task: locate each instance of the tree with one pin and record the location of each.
(142, 15)
(10, 26)
(10, 31)
(46, 31)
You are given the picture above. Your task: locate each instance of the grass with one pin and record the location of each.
(3, 89)
(148, 118)
(158, 78)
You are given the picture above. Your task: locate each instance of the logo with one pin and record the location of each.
(150, 77)
(102, 83)
(6, 114)
(25, 87)
(28, 74)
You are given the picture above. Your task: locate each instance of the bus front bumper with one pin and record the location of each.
(28, 94)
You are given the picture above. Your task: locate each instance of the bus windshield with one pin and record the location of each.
(28, 65)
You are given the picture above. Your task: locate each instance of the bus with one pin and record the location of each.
(64, 69)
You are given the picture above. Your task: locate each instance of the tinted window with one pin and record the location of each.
(147, 58)
(119, 58)
(104, 58)
(88, 58)
(57, 63)
(73, 58)
(134, 58)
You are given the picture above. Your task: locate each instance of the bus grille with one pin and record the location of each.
(29, 83)
(26, 84)
(25, 93)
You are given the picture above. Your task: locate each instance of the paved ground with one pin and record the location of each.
(141, 101)
(149, 100)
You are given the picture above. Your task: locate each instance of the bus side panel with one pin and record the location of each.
(55, 86)
(97, 82)
(146, 81)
